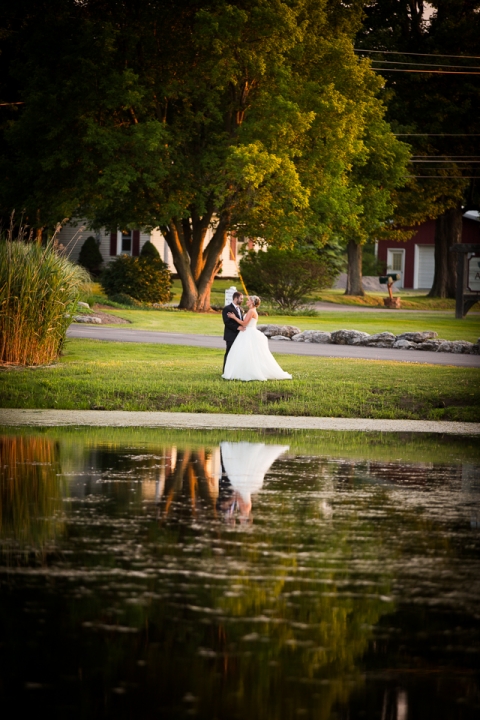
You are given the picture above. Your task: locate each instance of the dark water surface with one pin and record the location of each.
(161, 574)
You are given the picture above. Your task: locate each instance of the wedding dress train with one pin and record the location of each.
(250, 358)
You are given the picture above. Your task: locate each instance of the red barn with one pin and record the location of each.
(414, 259)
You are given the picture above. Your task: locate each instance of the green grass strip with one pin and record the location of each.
(129, 376)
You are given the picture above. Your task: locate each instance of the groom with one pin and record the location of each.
(231, 327)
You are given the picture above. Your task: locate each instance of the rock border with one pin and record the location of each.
(426, 341)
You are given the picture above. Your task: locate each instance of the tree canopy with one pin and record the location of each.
(253, 117)
(432, 96)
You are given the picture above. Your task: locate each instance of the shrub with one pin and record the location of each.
(123, 299)
(149, 250)
(38, 290)
(90, 256)
(146, 279)
(286, 277)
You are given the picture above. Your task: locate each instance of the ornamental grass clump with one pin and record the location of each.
(38, 292)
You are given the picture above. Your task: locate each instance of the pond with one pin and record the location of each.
(169, 574)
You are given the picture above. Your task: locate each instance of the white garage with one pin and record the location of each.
(424, 267)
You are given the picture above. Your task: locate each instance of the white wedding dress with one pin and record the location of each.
(247, 463)
(250, 357)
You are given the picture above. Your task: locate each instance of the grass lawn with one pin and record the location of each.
(443, 322)
(182, 321)
(125, 376)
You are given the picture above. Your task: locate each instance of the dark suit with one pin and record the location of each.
(231, 328)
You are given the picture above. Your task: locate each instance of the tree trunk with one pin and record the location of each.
(448, 232)
(196, 263)
(354, 272)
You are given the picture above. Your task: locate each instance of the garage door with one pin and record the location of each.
(426, 266)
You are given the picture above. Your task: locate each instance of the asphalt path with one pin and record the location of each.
(117, 334)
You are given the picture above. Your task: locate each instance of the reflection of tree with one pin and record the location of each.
(257, 621)
(191, 485)
(31, 491)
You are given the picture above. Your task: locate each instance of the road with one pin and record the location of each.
(114, 334)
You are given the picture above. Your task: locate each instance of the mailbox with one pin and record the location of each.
(390, 278)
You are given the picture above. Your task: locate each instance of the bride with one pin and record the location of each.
(250, 357)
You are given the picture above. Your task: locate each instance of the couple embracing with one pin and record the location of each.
(248, 356)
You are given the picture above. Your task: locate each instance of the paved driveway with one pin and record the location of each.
(114, 334)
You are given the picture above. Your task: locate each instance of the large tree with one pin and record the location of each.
(252, 117)
(440, 110)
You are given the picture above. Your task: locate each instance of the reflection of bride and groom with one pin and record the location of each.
(228, 478)
(248, 356)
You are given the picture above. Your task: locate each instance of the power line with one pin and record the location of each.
(444, 177)
(428, 72)
(457, 162)
(397, 52)
(437, 65)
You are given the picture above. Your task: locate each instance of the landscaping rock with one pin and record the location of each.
(83, 304)
(403, 345)
(418, 337)
(429, 345)
(348, 337)
(274, 330)
(458, 347)
(312, 336)
(281, 337)
(382, 340)
(87, 319)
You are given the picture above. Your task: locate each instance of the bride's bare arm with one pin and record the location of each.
(246, 319)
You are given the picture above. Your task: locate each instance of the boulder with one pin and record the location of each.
(348, 337)
(429, 345)
(312, 336)
(458, 347)
(87, 319)
(418, 337)
(83, 304)
(403, 345)
(383, 339)
(277, 338)
(274, 330)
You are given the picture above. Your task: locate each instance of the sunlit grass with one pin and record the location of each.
(126, 376)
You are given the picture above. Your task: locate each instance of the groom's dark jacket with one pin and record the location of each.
(231, 327)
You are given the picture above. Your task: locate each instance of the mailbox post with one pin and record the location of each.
(468, 277)
(388, 280)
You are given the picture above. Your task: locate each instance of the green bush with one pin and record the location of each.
(38, 292)
(123, 299)
(149, 250)
(371, 265)
(146, 279)
(286, 277)
(90, 256)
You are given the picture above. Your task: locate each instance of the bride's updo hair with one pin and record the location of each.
(255, 300)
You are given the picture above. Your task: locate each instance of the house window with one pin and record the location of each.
(126, 242)
(397, 258)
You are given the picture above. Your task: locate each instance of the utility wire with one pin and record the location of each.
(437, 65)
(397, 52)
(428, 72)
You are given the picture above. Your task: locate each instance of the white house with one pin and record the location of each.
(130, 242)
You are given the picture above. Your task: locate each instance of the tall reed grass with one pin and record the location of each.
(31, 493)
(38, 291)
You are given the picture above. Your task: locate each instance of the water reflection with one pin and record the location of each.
(31, 492)
(244, 466)
(354, 592)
